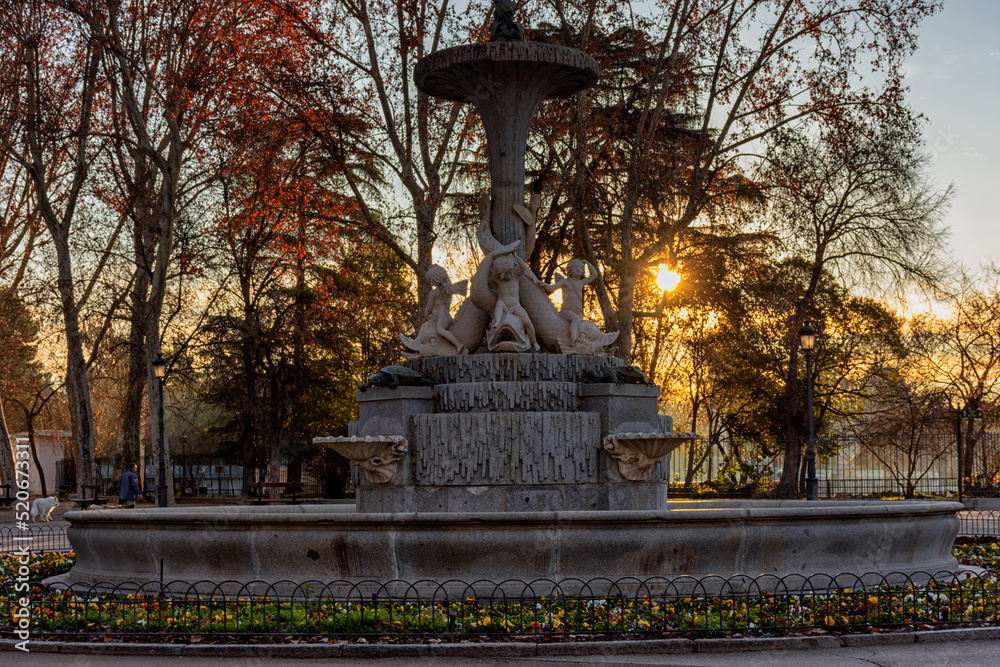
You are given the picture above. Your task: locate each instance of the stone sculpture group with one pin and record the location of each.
(496, 313)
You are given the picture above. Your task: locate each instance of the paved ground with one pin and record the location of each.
(947, 654)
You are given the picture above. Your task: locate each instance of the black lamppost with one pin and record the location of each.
(807, 340)
(160, 369)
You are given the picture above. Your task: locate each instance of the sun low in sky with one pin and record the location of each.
(667, 279)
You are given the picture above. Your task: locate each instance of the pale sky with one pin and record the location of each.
(954, 80)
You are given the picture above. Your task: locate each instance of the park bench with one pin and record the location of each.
(86, 502)
(6, 500)
(294, 487)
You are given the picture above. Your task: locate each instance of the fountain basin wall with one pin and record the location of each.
(316, 543)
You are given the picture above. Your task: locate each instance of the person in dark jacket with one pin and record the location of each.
(128, 489)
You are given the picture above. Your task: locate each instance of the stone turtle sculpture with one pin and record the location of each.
(617, 375)
(391, 377)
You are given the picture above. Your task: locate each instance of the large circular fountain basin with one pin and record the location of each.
(319, 543)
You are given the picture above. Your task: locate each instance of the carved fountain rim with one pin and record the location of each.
(581, 70)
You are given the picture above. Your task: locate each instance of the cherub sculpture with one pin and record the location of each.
(435, 336)
(438, 309)
(572, 293)
(505, 269)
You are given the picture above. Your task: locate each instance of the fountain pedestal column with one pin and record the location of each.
(505, 81)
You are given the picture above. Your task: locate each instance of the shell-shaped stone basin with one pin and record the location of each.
(637, 453)
(377, 455)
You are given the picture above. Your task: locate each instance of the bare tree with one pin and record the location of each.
(174, 75)
(856, 205)
(903, 422)
(19, 231)
(423, 142)
(961, 350)
(52, 87)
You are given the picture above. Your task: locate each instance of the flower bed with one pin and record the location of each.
(171, 611)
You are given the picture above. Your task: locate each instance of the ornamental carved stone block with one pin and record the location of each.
(377, 455)
(637, 453)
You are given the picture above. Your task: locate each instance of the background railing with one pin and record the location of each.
(846, 466)
(213, 479)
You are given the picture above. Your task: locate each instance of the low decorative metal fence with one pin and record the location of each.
(401, 611)
(980, 523)
(39, 539)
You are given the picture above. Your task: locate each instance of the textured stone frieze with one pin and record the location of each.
(377, 455)
(509, 367)
(506, 448)
(637, 453)
(507, 397)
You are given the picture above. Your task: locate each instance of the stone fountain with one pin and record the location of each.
(509, 445)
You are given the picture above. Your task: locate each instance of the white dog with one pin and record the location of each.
(43, 507)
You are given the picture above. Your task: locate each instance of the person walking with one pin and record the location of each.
(128, 489)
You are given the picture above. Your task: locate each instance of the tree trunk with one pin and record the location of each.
(130, 419)
(34, 457)
(250, 417)
(788, 485)
(692, 444)
(131, 443)
(425, 257)
(274, 435)
(274, 465)
(157, 412)
(969, 449)
(77, 382)
(626, 303)
(689, 473)
(153, 311)
(657, 341)
(7, 454)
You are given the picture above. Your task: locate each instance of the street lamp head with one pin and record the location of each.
(160, 367)
(807, 337)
